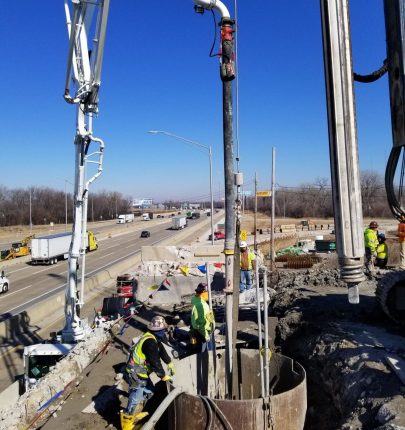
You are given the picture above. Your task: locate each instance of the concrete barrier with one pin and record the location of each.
(31, 319)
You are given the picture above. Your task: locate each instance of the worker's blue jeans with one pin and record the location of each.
(245, 280)
(138, 393)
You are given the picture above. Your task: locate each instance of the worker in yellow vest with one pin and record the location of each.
(371, 243)
(382, 252)
(247, 265)
(202, 319)
(145, 358)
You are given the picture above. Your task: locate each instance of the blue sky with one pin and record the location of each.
(157, 75)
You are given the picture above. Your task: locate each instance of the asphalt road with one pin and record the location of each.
(31, 284)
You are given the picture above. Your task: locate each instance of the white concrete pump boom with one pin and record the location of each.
(87, 28)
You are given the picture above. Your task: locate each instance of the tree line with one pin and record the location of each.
(307, 200)
(49, 205)
(315, 199)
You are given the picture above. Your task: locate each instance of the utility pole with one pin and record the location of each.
(273, 207)
(255, 219)
(30, 214)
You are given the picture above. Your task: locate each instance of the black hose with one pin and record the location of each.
(209, 412)
(226, 424)
(372, 77)
(393, 202)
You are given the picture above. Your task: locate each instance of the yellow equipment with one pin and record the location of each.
(92, 241)
(18, 249)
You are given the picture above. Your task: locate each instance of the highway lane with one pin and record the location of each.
(31, 284)
(97, 227)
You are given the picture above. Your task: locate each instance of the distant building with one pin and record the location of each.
(142, 203)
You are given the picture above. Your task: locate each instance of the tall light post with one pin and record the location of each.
(209, 149)
(30, 212)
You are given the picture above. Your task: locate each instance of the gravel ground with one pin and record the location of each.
(344, 349)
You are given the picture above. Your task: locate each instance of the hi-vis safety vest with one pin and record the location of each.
(137, 360)
(250, 257)
(370, 239)
(382, 251)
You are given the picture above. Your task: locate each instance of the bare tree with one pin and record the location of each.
(371, 184)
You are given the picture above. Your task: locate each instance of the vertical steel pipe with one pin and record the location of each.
(343, 143)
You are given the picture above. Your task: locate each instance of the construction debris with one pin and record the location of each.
(44, 397)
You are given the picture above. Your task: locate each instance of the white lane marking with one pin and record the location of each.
(31, 300)
(14, 292)
(43, 270)
(15, 271)
(87, 275)
(103, 256)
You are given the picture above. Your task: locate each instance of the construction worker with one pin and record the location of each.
(382, 252)
(202, 319)
(247, 264)
(144, 359)
(371, 243)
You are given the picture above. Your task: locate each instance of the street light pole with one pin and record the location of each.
(212, 198)
(209, 149)
(30, 214)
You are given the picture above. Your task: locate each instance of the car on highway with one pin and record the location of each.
(217, 235)
(145, 233)
(4, 283)
(160, 216)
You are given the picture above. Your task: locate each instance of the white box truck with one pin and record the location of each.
(50, 249)
(179, 222)
(122, 219)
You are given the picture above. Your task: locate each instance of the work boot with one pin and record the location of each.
(127, 421)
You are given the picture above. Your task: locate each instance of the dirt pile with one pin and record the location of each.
(344, 349)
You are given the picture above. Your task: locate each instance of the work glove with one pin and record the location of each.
(374, 253)
(171, 368)
(166, 378)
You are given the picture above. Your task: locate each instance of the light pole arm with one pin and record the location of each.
(180, 138)
(198, 145)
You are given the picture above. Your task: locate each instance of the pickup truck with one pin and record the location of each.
(217, 235)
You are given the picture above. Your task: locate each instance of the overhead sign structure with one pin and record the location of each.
(263, 193)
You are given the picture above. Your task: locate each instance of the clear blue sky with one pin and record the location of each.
(157, 75)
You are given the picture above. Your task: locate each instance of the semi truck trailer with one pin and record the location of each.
(179, 222)
(123, 219)
(49, 249)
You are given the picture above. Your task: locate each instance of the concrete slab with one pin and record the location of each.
(9, 397)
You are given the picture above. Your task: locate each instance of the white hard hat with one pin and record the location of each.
(243, 244)
(157, 323)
